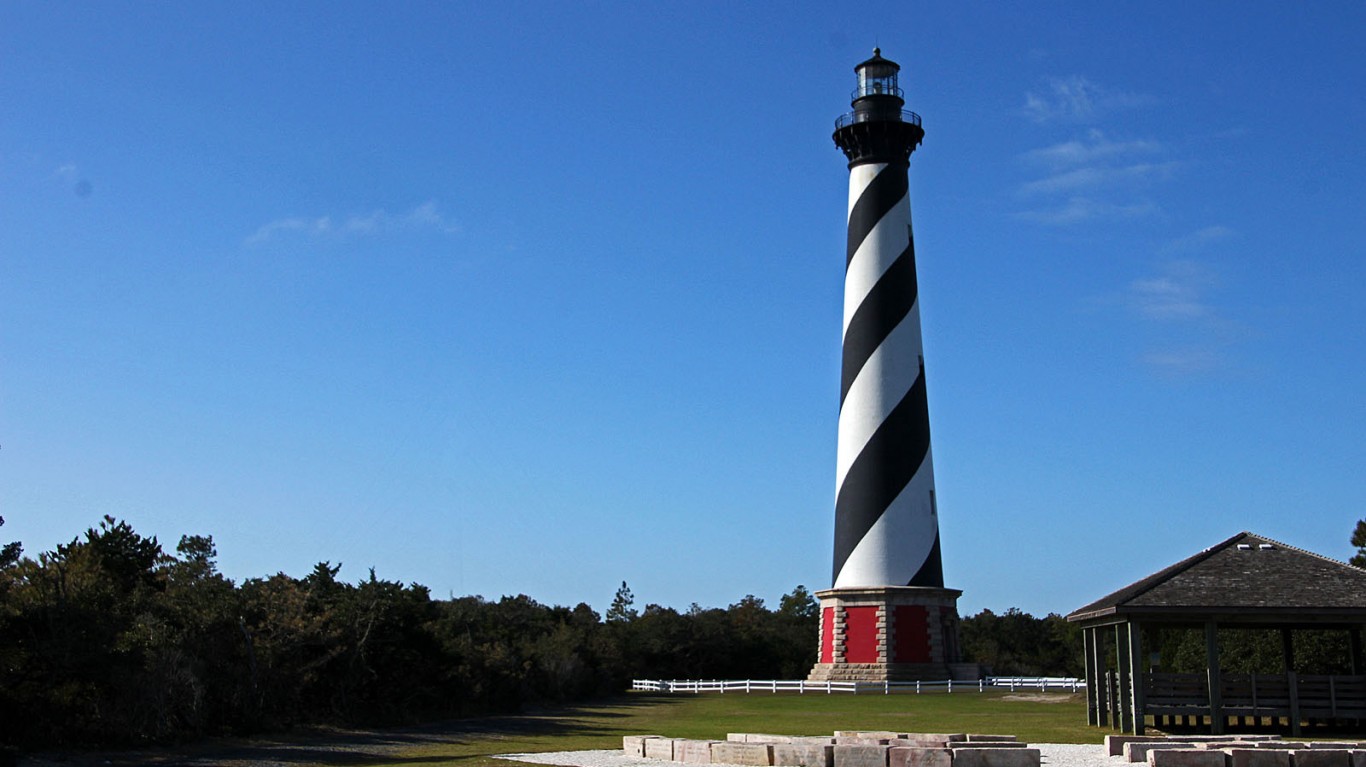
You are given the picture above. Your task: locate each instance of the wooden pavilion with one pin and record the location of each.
(1245, 582)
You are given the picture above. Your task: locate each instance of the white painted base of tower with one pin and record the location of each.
(889, 634)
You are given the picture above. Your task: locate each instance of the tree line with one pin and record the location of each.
(112, 640)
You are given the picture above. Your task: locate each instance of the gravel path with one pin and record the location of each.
(1050, 754)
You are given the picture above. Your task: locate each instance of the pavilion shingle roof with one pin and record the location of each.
(1246, 574)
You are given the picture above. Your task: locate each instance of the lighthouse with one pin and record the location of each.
(887, 616)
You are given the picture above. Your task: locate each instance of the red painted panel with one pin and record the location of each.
(860, 635)
(912, 634)
(828, 635)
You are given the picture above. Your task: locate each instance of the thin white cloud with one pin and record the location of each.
(1184, 361)
(1099, 176)
(1188, 333)
(425, 216)
(1101, 179)
(1095, 147)
(1198, 239)
(1077, 99)
(1081, 209)
(1176, 294)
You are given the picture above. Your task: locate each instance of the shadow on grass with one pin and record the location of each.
(473, 738)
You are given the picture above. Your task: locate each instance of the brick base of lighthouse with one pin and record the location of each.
(890, 634)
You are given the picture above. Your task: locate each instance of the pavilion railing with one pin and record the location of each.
(1290, 696)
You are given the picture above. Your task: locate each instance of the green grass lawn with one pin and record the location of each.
(1046, 718)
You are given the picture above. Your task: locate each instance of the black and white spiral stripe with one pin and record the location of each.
(886, 530)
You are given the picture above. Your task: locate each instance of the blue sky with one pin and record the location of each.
(540, 297)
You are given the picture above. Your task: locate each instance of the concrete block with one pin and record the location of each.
(1185, 757)
(693, 751)
(1114, 744)
(736, 737)
(1137, 751)
(756, 737)
(1220, 745)
(1321, 757)
(1257, 757)
(987, 744)
(659, 748)
(1286, 744)
(810, 740)
(976, 738)
(1358, 757)
(910, 756)
(996, 757)
(634, 745)
(803, 755)
(760, 754)
(883, 734)
(856, 740)
(949, 736)
(848, 755)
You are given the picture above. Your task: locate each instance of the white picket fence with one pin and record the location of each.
(801, 686)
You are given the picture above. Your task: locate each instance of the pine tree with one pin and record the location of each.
(622, 608)
(1359, 540)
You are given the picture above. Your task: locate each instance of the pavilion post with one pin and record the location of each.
(1216, 693)
(1354, 642)
(1125, 713)
(1288, 649)
(1088, 639)
(1294, 680)
(1135, 644)
(1102, 678)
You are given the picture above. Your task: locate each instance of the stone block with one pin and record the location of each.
(911, 756)
(760, 754)
(659, 748)
(976, 738)
(1220, 745)
(811, 740)
(1114, 744)
(859, 740)
(967, 744)
(883, 734)
(736, 737)
(1185, 757)
(1257, 757)
(1358, 758)
(693, 751)
(1320, 757)
(1137, 751)
(847, 755)
(996, 757)
(634, 745)
(921, 741)
(804, 755)
(1286, 744)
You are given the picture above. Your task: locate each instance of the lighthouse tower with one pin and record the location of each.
(888, 615)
